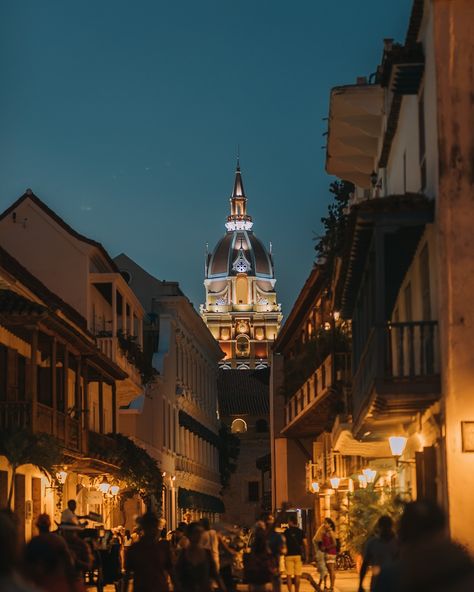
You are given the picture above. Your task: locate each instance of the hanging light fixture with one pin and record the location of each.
(114, 490)
(104, 486)
(335, 481)
(369, 475)
(397, 445)
(315, 486)
(61, 476)
(362, 481)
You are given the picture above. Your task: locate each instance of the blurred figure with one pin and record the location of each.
(80, 551)
(320, 558)
(226, 560)
(296, 548)
(259, 565)
(380, 551)
(276, 545)
(10, 580)
(47, 560)
(429, 560)
(149, 559)
(68, 516)
(196, 569)
(210, 540)
(179, 538)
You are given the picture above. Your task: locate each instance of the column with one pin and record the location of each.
(114, 407)
(101, 406)
(34, 378)
(114, 309)
(54, 397)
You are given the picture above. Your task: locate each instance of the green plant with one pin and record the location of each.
(136, 356)
(22, 447)
(365, 507)
(229, 450)
(137, 468)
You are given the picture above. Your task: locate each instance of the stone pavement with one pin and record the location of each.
(346, 581)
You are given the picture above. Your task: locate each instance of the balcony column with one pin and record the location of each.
(101, 406)
(85, 399)
(124, 315)
(380, 319)
(34, 378)
(77, 397)
(114, 309)
(66, 394)
(54, 397)
(114, 407)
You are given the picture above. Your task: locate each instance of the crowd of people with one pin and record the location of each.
(195, 557)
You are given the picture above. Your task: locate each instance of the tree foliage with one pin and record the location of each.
(365, 507)
(229, 450)
(330, 243)
(137, 468)
(22, 447)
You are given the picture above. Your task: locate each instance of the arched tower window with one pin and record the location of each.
(241, 289)
(239, 426)
(243, 346)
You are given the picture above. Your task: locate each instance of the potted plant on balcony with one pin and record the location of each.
(22, 447)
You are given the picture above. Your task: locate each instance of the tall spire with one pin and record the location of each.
(238, 183)
(238, 219)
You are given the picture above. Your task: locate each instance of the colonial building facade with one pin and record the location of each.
(243, 315)
(401, 282)
(176, 417)
(241, 308)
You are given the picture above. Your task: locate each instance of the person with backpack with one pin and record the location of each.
(296, 547)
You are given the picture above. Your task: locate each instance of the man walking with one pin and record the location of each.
(296, 546)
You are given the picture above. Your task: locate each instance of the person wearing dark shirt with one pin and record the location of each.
(381, 550)
(296, 544)
(149, 559)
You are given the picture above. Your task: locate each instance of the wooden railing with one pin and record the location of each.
(186, 465)
(18, 414)
(109, 346)
(398, 353)
(317, 384)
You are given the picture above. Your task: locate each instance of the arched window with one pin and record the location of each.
(261, 425)
(241, 289)
(239, 426)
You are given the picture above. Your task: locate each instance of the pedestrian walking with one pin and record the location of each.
(259, 564)
(226, 561)
(149, 559)
(80, 551)
(196, 569)
(47, 561)
(296, 547)
(429, 561)
(10, 578)
(210, 540)
(380, 551)
(277, 546)
(326, 539)
(320, 559)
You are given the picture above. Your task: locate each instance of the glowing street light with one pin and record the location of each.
(335, 481)
(315, 486)
(114, 490)
(362, 481)
(104, 486)
(61, 476)
(397, 445)
(369, 475)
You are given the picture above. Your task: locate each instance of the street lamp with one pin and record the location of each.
(335, 481)
(397, 445)
(114, 490)
(369, 475)
(61, 476)
(362, 481)
(315, 486)
(104, 486)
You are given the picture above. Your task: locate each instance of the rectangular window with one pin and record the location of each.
(422, 140)
(253, 491)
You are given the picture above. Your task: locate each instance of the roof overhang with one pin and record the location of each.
(355, 121)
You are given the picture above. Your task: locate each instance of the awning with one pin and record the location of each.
(195, 500)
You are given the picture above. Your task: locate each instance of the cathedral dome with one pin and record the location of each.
(240, 251)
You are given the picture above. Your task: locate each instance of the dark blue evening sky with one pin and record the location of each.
(125, 116)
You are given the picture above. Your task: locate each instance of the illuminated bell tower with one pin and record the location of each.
(241, 308)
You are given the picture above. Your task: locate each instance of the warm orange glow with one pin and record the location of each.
(259, 333)
(225, 333)
(226, 348)
(261, 350)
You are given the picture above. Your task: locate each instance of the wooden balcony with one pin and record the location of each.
(130, 387)
(311, 409)
(19, 414)
(398, 373)
(186, 465)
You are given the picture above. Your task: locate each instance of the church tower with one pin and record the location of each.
(241, 308)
